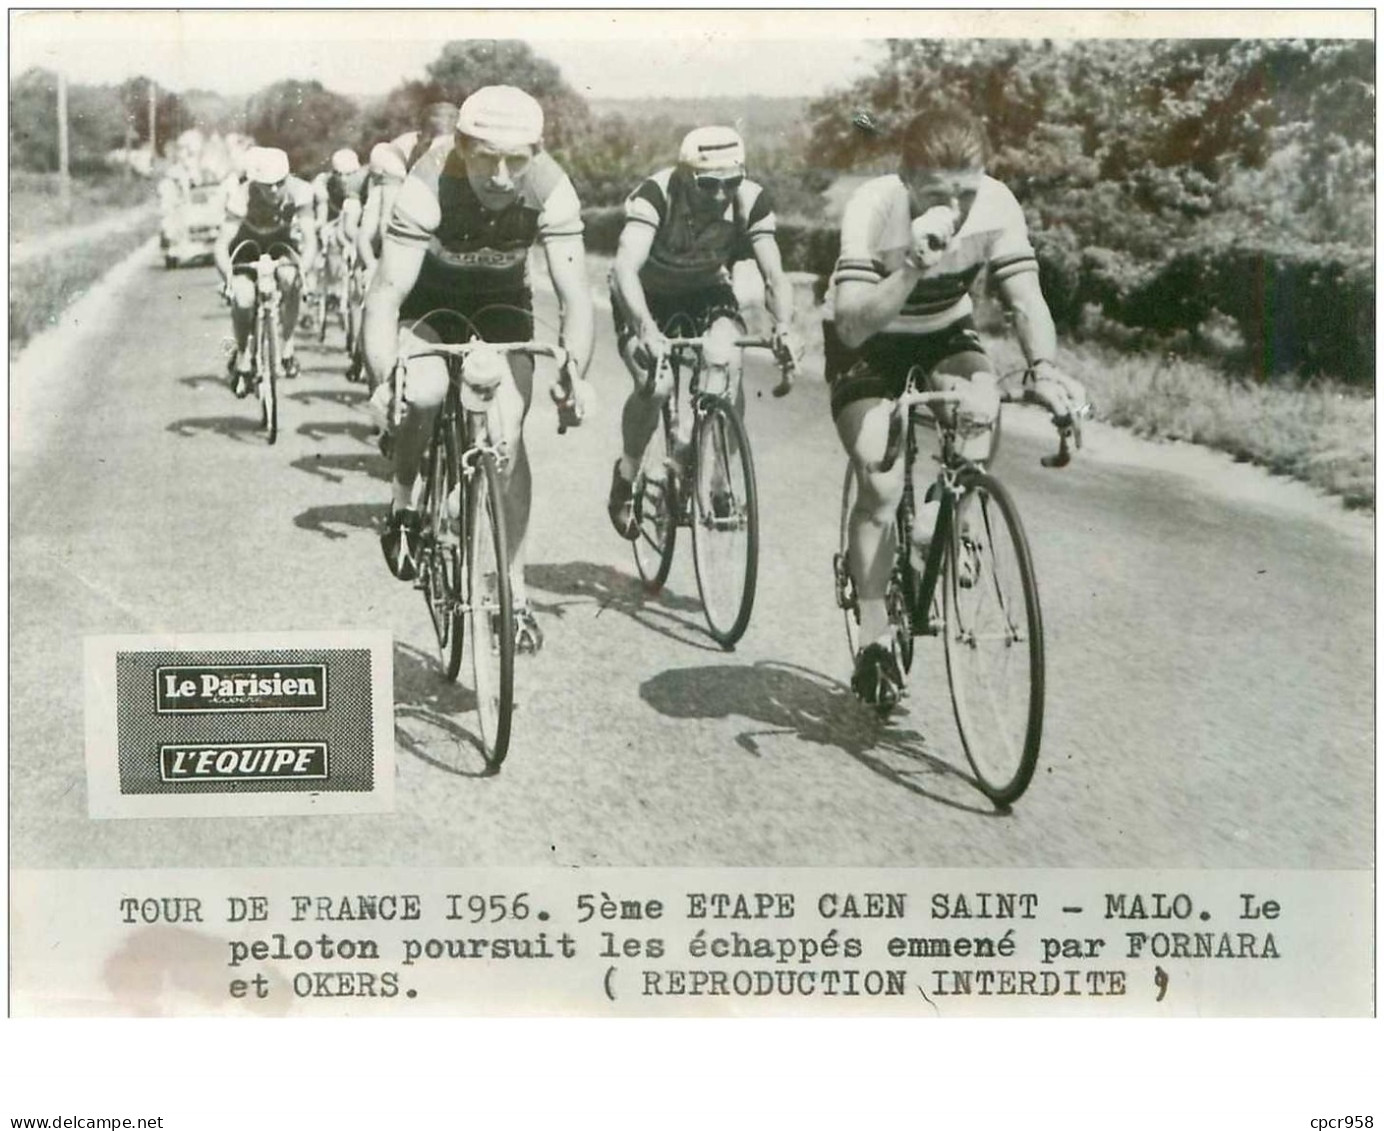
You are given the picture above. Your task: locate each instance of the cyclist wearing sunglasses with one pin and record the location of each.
(685, 227)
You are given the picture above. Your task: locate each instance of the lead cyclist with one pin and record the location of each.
(912, 243)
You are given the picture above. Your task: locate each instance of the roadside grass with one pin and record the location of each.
(35, 208)
(1320, 432)
(42, 289)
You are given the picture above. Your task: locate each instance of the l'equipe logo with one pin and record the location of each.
(246, 761)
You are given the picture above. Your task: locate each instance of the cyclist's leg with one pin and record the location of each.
(722, 364)
(958, 361)
(242, 288)
(290, 288)
(862, 401)
(638, 419)
(423, 395)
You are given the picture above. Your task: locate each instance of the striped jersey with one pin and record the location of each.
(471, 248)
(876, 235)
(690, 252)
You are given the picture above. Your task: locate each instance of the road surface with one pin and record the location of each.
(1210, 646)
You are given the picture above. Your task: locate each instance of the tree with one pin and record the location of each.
(304, 119)
(467, 65)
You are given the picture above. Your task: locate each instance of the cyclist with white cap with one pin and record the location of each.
(269, 207)
(386, 176)
(458, 240)
(685, 227)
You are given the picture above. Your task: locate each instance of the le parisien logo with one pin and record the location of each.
(191, 689)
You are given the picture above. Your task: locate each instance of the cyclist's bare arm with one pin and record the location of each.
(636, 241)
(864, 309)
(309, 249)
(400, 264)
(221, 250)
(778, 291)
(369, 225)
(567, 266)
(1033, 323)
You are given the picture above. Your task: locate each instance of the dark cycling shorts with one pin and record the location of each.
(494, 318)
(700, 307)
(879, 368)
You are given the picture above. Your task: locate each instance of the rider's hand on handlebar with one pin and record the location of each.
(1060, 394)
(787, 345)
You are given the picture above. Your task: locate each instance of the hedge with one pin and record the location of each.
(1305, 308)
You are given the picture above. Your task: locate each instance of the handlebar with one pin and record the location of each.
(1068, 424)
(787, 368)
(568, 415)
(901, 413)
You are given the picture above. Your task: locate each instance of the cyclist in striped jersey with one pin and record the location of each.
(912, 244)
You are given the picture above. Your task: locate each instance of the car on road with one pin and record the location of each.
(190, 223)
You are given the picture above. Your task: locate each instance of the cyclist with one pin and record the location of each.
(269, 207)
(386, 176)
(435, 126)
(912, 244)
(685, 226)
(458, 240)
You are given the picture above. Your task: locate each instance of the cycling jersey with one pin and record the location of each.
(414, 149)
(337, 188)
(262, 220)
(472, 250)
(690, 253)
(876, 235)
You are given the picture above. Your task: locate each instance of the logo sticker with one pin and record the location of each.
(244, 725)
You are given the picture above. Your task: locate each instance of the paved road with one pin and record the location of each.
(1210, 658)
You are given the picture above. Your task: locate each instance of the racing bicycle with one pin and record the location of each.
(975, 588)
(702, 478)
(267, 331)
(463, 558)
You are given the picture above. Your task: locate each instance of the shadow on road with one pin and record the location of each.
(197, 380)
(787, 699)
(678, 618)
(426, 709)
(335, 468)
(244, 427)
(338, 520)
(345, 398)
(357, 430)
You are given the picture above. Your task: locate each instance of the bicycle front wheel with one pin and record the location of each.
(994, 639)
(657, 503)
(488, 608)
(266, 373)
(725, 521)
(441, 552)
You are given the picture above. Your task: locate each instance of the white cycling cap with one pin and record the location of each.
(388, 162)
(712, 149)
(266, 166)
(503, 116)
(345, 161)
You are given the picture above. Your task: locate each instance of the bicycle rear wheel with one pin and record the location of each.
(994, 639)
(488, 610)
(725, 521)
(657, 504)
(440, 572)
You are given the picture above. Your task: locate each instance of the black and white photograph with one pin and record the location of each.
(908, 475)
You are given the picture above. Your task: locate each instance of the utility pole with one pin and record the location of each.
(64, 174)
(153, 116)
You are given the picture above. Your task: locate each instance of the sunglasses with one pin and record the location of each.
(712, 186)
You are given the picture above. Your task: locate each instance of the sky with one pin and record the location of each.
(370, 53)
(602, 53)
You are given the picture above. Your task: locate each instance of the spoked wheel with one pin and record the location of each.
(440, 573)
(657, 503)
(847, 599)
(266, 375)
(994, 639)
(725, 521)
(488, 609)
